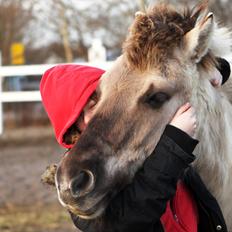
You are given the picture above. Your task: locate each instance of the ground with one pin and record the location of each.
(27, 205)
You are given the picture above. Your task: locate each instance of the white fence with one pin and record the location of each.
(27, 96)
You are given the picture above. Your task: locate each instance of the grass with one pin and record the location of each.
(35, 219)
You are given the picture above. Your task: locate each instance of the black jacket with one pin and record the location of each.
(140, 205)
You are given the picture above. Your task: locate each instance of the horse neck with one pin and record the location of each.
(214, 158)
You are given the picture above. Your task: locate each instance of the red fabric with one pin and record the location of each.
(181, 214)
(65, 89)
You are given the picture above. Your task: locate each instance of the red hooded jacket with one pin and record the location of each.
(65, 90)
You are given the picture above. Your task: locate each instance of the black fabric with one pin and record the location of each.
(140, 205)
(210, 212)
(224, 68)
(187, 143)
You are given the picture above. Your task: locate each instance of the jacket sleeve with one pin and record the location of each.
(140, 205)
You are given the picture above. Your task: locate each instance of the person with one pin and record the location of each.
(166, 193)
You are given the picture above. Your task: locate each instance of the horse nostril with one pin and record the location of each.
(82, 184)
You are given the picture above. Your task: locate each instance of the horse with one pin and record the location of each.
(167, 60)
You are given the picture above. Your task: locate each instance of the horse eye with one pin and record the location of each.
(157, 99)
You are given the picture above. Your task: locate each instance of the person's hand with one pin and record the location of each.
(185, 119)
(216, 79)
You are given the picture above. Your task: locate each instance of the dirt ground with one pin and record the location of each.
(27, 205)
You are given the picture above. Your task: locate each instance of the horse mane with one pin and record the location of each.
(154, 35)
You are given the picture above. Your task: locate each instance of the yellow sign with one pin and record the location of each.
(17, 54)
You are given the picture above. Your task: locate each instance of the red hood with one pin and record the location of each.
(65, 90)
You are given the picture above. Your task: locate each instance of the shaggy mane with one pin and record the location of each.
(154, 35)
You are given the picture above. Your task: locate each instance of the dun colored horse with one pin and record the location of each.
(167, 60)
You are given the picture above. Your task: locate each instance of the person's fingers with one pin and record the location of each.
(192, 111)
(189, 113)
(186, 106)
(216, 78)
(183, 109)
(215, 82)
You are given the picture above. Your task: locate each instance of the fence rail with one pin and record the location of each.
(27, 96)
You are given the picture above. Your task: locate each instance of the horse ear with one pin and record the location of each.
(197, 41)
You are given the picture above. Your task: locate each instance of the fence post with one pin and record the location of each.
(97, 52)
(1, 103)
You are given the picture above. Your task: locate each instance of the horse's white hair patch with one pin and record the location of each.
(128, 162)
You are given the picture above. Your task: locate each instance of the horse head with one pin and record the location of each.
(167, 56)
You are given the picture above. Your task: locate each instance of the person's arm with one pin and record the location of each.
(140, 205)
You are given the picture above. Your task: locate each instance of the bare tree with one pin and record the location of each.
(63, 28)
(110, 23)
(14, 19)
(75, 27)
(142, 5)
(72, 26)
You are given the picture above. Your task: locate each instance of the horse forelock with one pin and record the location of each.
(154, 36)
